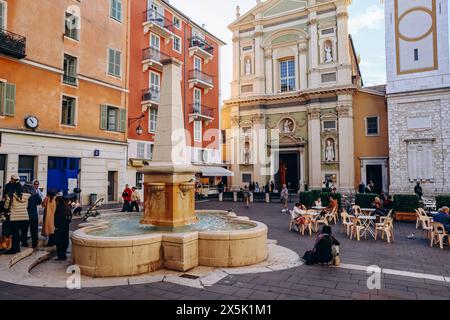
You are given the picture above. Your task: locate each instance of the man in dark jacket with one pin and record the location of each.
(63, 217)
(34, 201)
(418, 190)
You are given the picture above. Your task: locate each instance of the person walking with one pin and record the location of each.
(284, 196)
(272, 186)
(48, 227)
(126, 196)
(221, 187)
(16, 204)
(135, 200)
(63, 218)
(257, 188)
(246, 196)
(33, 212)
(418, 190)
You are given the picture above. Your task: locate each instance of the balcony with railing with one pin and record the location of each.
(200, 79)
(201, 48)
(12, 44)
(156, 22)
(201, 113)
(151, 97)
(154, 58)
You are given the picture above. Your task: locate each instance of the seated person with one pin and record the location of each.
(318, 202)
(378, 206)
(443, 217)
(333, 204)
(323, 251)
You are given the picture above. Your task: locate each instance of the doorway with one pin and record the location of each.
(288, 172)
(112, 186)
(26, 168)
(63, 174)
(375, 173)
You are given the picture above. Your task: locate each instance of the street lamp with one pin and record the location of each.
(139, 129)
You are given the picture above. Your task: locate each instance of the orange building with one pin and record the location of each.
(159, 31)
(370, 120)
(64, 93)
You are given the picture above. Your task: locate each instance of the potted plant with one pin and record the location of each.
(405, 206)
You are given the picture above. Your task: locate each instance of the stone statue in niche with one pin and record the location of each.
(248, 67)
(247, 153)
(328, 53)
(287, 126)
(330, 154)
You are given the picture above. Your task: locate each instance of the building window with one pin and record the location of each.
(68, 111)
(416, 54)
(372, 126)
(140, 150)
(150, 151)
(72, 26)
(177, 23)
(246, 177)
(70, 70)
(152, 120)
(177, 44)
(155, 41)
(139, 180)
(116, 10)
(287, 75)
(7, 99)
(2, 15)
(197, 63)
(329, 125)
(197, 131)
(113, 118)
(155, 81)
(224, 136)
(197, 100)
(114, 62)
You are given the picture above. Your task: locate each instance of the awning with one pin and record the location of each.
(215, 172)
(136, 163)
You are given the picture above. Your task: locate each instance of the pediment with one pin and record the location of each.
(284, 6)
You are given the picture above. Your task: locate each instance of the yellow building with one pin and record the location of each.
(64, 86)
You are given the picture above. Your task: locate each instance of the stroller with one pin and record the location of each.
(92, 211)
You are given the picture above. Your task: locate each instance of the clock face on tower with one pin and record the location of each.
(31, 122)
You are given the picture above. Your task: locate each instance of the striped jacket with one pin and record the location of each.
(18, 209)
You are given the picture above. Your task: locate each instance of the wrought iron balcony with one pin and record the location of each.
(156, 22)
(151, 98)
(153, 57)
(70, 80)
(201, 79)
(12, 44)
(202, 113)
(201, 48)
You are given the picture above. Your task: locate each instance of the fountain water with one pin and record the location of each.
(170, 234)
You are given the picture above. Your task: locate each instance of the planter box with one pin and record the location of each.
(405, 216)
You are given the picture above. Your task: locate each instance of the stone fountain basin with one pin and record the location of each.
(135, 255)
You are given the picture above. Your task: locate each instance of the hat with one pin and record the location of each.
(15, 177)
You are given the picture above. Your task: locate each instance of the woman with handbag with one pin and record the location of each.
(17, 204)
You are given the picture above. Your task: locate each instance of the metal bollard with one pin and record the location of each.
(234, 196)
(220, 197)
(267, 198)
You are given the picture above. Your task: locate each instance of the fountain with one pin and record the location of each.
(170, 234)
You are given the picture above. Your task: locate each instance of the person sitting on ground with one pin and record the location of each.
(443, 217)
(325, 250)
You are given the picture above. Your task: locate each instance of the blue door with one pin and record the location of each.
(60, 172)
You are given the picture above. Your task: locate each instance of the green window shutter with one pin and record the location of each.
(72, 112)
(122, 120)
(2, 95)
(103, 117)
(10, 99)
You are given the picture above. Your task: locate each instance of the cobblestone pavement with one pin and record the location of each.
(304, 282)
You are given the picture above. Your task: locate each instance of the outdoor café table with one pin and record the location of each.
(318, 208)
(312, 213)
(369, 223)
(368, 210)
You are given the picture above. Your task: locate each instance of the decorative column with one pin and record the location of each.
(261, 163)
(313, 50)
(236, 65)
(269, 70)
(259, 83)
(346, 146)
(344, 69)
(234, 147)
(302, 169)
(314, 147)
(303, 68)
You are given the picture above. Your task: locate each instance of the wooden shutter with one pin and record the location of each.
(73, 104)
(122, 120)
(2, 16)
(2, 95)
(111, 57)
(10, 99)
(103, 117)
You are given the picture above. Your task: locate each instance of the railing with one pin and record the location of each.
(151, 94)
(157, 18)
(202, 110)
(201, 43)
(199, 75)
(12, 44)
(153, 54)
(69, 79)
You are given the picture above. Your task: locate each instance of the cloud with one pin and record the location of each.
(372, 18)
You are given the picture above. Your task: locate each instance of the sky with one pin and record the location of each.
(366, 25)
